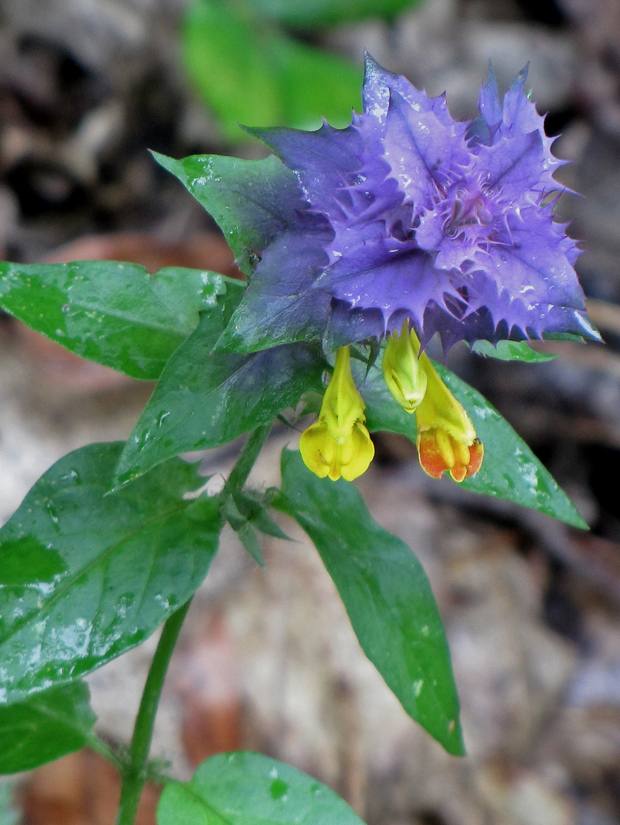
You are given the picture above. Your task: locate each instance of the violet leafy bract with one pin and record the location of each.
(409, 215)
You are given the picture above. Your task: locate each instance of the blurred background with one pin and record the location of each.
(268, 660)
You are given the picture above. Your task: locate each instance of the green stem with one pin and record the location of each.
(99, 746)
(135, 772)
(247, 459)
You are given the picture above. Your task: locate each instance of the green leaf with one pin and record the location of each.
(244, 530)
(386, 593)
(45, 727)
(274, 310)
(205, 399)
(304, 13)
(116, 314)
(382, 412)
(247, 789)
(85, 576)
(249, 539)
(573, 336)
(315, 85)
(510, 470)
(249, 72)
(250, 504)
(512, 351)
(259, 198)
(225, 54)
(246, 513)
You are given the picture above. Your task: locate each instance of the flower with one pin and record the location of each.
(408, 215)
(446, 439)
(404, 376)
(409, 224)
(440, 452)
(338, 444)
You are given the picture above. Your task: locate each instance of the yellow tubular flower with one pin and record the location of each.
(446, 437)
(338, 444)
(404, 376)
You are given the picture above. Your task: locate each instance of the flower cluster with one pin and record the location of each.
(413, 225)
(446, 437)
(339, 445)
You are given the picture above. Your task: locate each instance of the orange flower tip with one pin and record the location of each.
(459, 473)
(440, 453)
(476, 454)
(431, 458)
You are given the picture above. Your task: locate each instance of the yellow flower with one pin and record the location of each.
(446, 437)
(403, 374)
(339, 444)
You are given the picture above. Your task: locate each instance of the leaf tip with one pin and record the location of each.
(119, 483)
(576, 520)
(163, 160)
(454, 743)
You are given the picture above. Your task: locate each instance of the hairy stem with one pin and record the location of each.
(247, 459)
(134, 773)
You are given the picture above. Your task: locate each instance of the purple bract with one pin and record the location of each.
(408, 214)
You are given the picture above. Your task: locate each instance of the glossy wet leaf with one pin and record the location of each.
(84, 576)
(248, 71)
(44, 727)
(513, 471)
(510, 470)
(205, 399)
(259, 198)
(116, 314)
(386, 593)
(247, 789)
(512, 351)
(276, 311)
(327, 12)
